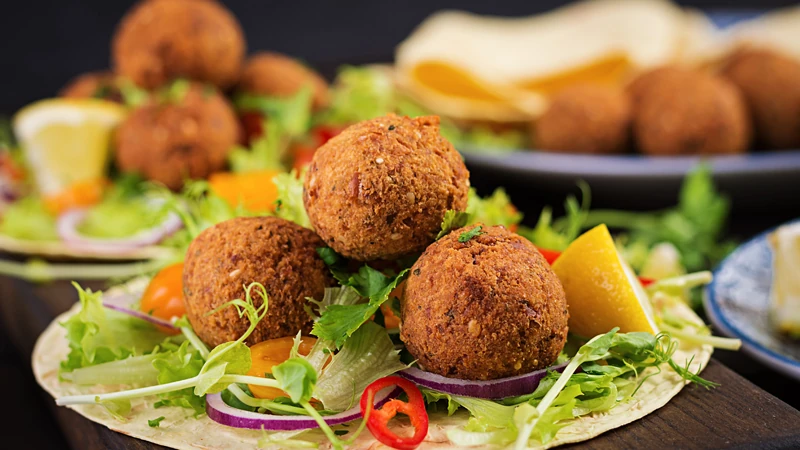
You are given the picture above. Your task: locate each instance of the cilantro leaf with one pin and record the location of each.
(452, 221)
(297, 378)
(155, 422)
(467, 235)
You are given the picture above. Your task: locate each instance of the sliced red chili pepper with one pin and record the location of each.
(550, 255)
(378, 419)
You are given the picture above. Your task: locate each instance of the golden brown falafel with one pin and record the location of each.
(691, 113)
(585, 118)
(770, 83)
(380, 189)
(279, 254)
(187, 138)
(160, 40)
(487, 308)
(277, 75)
(93, 85)
(643, 83)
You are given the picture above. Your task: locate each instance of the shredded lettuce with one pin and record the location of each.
(557, 235)
(496, 209)
(120, 218)
(612, 367)
(28, 219)
(290, 198)
(291, 115)
(265, 152)
(368, 355)
(359, 93)
(338, 322)
(97, 335)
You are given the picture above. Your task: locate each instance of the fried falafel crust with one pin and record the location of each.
(585, 118)
(686, 112)
(92, 85)
(172, 142)
(160, 40)
(380, 189)
(277, 75)
(770, 83)
(277, 253)
(484, 309)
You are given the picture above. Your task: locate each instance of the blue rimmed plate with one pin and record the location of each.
(737, 303)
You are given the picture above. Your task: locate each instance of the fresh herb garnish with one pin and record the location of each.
(452, 221)
(467, 235)
(155, 422)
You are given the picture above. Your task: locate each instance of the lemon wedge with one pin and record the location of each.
(67, 141)
(602, 290)
(785, 291)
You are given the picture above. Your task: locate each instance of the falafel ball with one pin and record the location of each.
(380, 189)
(643, 83)
(277, 75)
(585, 118)
(277, 253)
(160, 40)
(186, 138)
(770, 83)
(487, 308)
(691, 113)
(93, 85)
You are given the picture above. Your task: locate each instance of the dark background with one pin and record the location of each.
(45, 43)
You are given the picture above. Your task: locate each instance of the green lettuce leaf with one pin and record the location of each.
(368, 355)
(28, 219)
(291, 115)
(452, 221)
(290, 198)
(265, 152)
(338, 322)
(359, 93)
(97, 335)
(496, 209)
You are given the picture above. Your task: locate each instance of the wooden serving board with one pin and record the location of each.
(736, 415)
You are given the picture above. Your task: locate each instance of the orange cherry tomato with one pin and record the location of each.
(255, 190)
(267, 354)
(79, 195)
(163, 297)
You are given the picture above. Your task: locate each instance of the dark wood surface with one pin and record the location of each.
(736, 415)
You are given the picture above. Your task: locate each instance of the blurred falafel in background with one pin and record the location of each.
(689, 112)
(161, 40)
(277, 75)
(770, 82)
(585, 118)
(185, 132)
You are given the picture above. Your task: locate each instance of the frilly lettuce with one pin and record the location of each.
(495, 209)
(290, 198)
(28, 219)
(97, 335)
(360, 93)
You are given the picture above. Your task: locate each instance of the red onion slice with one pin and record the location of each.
(221, 412)
(123, 303)
(491, 389)
(67, 227)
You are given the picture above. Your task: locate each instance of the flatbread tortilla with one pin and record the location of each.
(59, 250)
(181, 430)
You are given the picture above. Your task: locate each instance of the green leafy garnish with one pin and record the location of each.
(453, 220)
(694, 226)
(97, 335)
(265, 152)
(155, 422)
(338, 322)
(467, 235)
(358, 94)
(290, 198)
(291, 116)
(559, 234)
(28, 219)
(496, 209)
